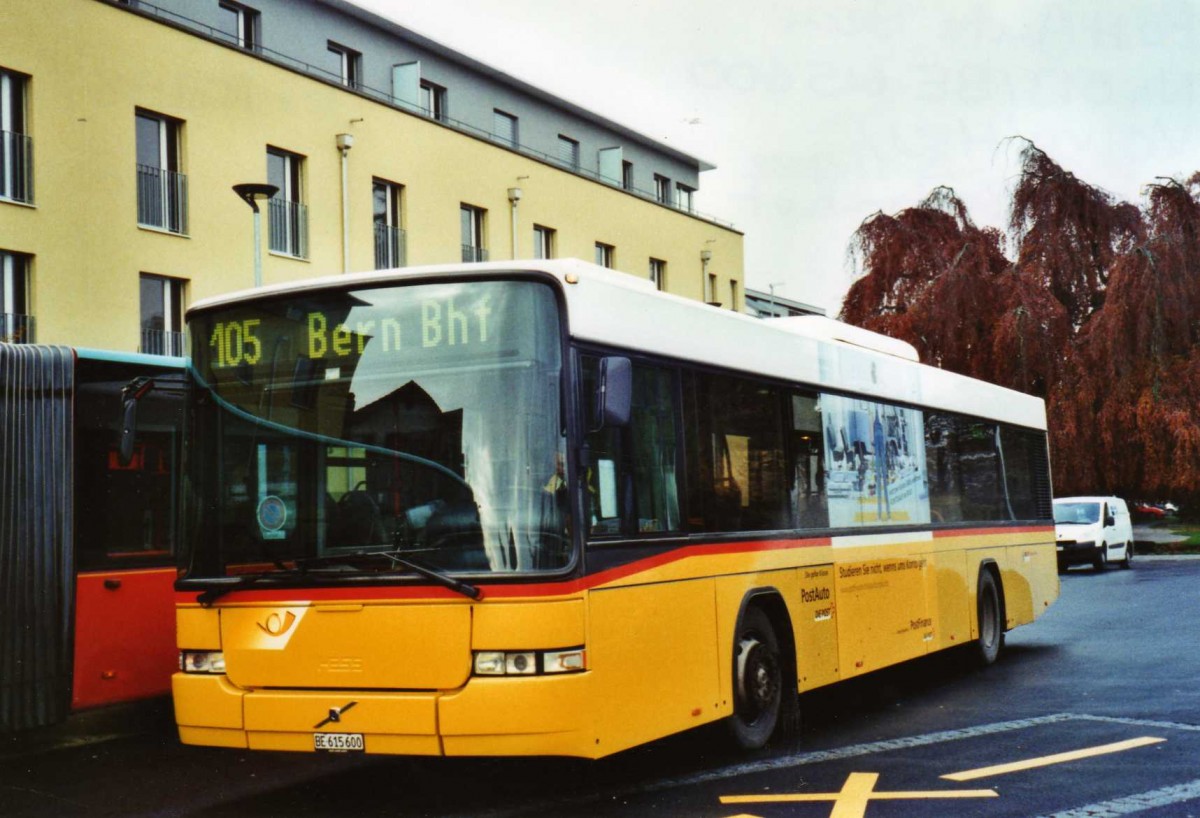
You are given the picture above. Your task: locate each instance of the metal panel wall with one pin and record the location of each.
(36, 534)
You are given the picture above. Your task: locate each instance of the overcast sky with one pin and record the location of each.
(818, 114)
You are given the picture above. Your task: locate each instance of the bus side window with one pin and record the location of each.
(1026, 473)
(809, 504)
(736, 469)
(979, 466)
(942, 469)
(631, 481)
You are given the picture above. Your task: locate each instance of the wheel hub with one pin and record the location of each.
(758, 678)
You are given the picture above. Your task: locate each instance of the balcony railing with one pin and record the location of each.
(161, 342)
(390, 250)
(162, 199)
(16, 328)
(288, 228)
(472, 253)
(16, 167)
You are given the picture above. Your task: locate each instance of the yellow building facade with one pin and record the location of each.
(86, 224)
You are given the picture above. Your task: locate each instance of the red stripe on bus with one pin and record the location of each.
(377, 593)
(508, 591)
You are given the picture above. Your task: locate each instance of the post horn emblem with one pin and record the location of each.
(276, 625)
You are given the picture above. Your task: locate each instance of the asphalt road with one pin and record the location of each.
(1098, 701)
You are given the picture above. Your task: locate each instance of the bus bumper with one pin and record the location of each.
(542, 715)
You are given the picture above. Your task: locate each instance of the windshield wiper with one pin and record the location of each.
(396, 558)
(210, 595)
(351, 560)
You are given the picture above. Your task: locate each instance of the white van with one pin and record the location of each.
(1093, 529)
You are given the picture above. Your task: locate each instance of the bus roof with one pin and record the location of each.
(624, 311)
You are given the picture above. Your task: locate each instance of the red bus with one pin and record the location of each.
(87, 542)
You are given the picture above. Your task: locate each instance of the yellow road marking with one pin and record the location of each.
(856, 794)
(1060, 758)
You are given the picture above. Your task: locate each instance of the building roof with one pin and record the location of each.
(395, 29)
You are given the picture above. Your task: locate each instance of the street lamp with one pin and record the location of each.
(250, 193)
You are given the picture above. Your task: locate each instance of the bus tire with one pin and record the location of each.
(990, 619)
(758, 681)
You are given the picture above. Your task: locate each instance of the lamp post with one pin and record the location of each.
(250, 193)
(705, 258)
(514, 196)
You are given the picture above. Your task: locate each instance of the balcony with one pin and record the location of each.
(16, 167)
(161, 342)
(288, 223)
(472, 253)
(16, 328)
(162, 199)
(390, 247)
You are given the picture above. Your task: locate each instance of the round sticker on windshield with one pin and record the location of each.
(272, 513)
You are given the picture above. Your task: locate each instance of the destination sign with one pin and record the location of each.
(329, 334)
(361, 334)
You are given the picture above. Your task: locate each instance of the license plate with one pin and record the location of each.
(338, 742)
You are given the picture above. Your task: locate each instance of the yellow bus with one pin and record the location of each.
(540, 508)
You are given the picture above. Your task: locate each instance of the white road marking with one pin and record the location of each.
(1131, 804)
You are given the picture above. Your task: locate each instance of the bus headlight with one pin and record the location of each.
(202, 661)
(529, 662)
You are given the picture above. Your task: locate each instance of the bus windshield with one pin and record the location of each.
(422, 420)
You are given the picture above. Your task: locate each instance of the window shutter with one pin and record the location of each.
(611, 160)
(406, 84)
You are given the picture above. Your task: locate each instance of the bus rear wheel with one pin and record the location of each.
(991, 619)
(757, 681)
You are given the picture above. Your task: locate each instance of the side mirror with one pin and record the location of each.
(132, 392)
(614, 392)
(1110, 521)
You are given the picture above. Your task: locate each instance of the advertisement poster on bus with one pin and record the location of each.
(875, 463)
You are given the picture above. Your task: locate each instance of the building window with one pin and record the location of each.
(240, 24)
(627, 175)
(347, 65)
(662, 189)
(162, 315)
(390, 250)
(433, 100)
(568, 152)
(710, 294)
(658, 273)
(543, 242)
(287, 214)
(161, 188)
(16, 148)
(504, 128)
(683, 197)
(604, 254)
(733, 295)
(471, 221)
(16, 324)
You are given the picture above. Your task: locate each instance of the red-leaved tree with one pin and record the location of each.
(1098, 312)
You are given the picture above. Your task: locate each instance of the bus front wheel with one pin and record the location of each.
(991, 619)
(757, 681)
